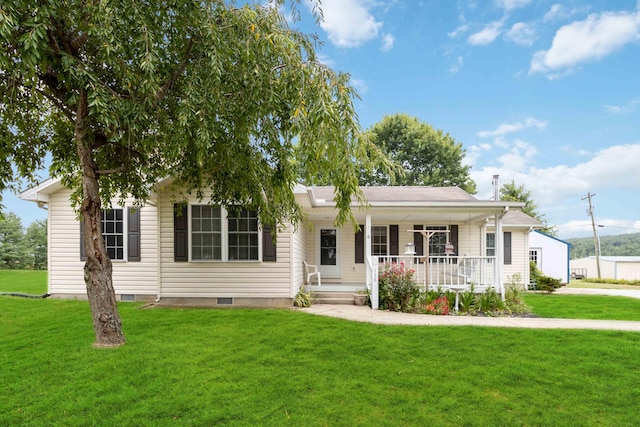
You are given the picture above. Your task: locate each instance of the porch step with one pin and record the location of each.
(328, 297)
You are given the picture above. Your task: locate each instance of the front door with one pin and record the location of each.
(328, 251)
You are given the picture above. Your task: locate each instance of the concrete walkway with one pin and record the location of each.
(365, 314)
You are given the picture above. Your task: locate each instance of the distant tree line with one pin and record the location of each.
(22, 249)
(619, 245)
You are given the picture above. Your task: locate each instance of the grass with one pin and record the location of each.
(596, 307)
(282, 367)
(582, 284)
(25, 281)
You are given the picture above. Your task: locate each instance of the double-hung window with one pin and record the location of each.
(438, 241)
(122, 242)
(221, 235)
(113, 233)
(206, 233)
(491, 244)
(243, 235)
(379, 240)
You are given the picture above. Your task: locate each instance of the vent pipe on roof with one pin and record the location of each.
(496, 187)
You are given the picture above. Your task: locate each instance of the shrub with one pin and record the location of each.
(490, 302)
(440, 306)
(397, 288)
(547, 284)
(303, 299)
(467, 300)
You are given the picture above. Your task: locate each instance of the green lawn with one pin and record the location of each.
(25, 281)
(282, 367)
(598, 307)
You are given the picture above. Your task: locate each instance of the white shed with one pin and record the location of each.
(550, 254)
(611, 267)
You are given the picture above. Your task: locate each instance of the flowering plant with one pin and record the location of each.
(439, 306)
(397, 287)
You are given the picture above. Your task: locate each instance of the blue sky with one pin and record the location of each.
(545, 93)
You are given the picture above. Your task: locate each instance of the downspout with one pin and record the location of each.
(158, 249)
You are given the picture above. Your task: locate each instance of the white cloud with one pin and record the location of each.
(522, 33)
(589, 40)
(621, 109)
(487, 35)
(576, 228)
(507, 128)
(457, 65)
(387, 42)
(460, 30)
(612, 167)
(360, 86)
(512, 4)
(558, 11)
(349, 23)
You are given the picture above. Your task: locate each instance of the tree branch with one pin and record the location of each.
(172, 79)
(119, 169)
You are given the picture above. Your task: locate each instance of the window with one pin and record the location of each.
(243, 235)
(379, 241)
(491, 244)
(218, 235)
(206, 233)
(438, 241)
(116, 235)
(113, 233)
(506, 245)
(534, 256)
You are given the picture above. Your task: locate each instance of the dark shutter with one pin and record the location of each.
(268, 245)
(133, 234)
(417, 241)
(359, 237)
(180, 230)
(453, 239)
(393, 240)
(83, 252)
(507, 247)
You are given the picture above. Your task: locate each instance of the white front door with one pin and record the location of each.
(328, 251)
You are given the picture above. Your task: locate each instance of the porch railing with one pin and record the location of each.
(444, 272)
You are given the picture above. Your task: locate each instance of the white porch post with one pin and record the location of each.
(499, 253)
(370, 276)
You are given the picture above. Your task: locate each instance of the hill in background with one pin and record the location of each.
(619, 245)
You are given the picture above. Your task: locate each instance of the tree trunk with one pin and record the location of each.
(98, 269)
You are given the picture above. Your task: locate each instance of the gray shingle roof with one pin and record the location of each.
(404, 194)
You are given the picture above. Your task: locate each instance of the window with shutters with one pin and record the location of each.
(221, 235)
(438, 241)
(117, 235)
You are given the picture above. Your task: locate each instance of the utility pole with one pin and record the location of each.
(596, 241)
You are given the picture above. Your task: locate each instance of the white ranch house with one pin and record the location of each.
(207, 257)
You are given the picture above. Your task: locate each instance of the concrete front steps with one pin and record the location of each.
(334, 294)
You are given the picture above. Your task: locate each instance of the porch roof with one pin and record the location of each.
(422, 204)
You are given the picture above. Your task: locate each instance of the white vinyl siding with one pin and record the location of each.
(220, 279)
(66, 270)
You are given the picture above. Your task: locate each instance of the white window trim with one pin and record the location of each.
(224, 241)
(125, 234)
(388, 240)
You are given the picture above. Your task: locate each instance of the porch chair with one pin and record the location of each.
(310, 271)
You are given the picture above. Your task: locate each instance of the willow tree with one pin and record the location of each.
(125, 93)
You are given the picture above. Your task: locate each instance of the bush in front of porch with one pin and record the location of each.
(397, 287)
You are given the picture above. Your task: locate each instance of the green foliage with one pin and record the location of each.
(216, 94)
(547, 284)
(13, 251)
(36, 242)
(303, 299)
(425, 156)
(518, 193)
(398, 289)
(618, 245)
(489, 302)
(612, 281)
